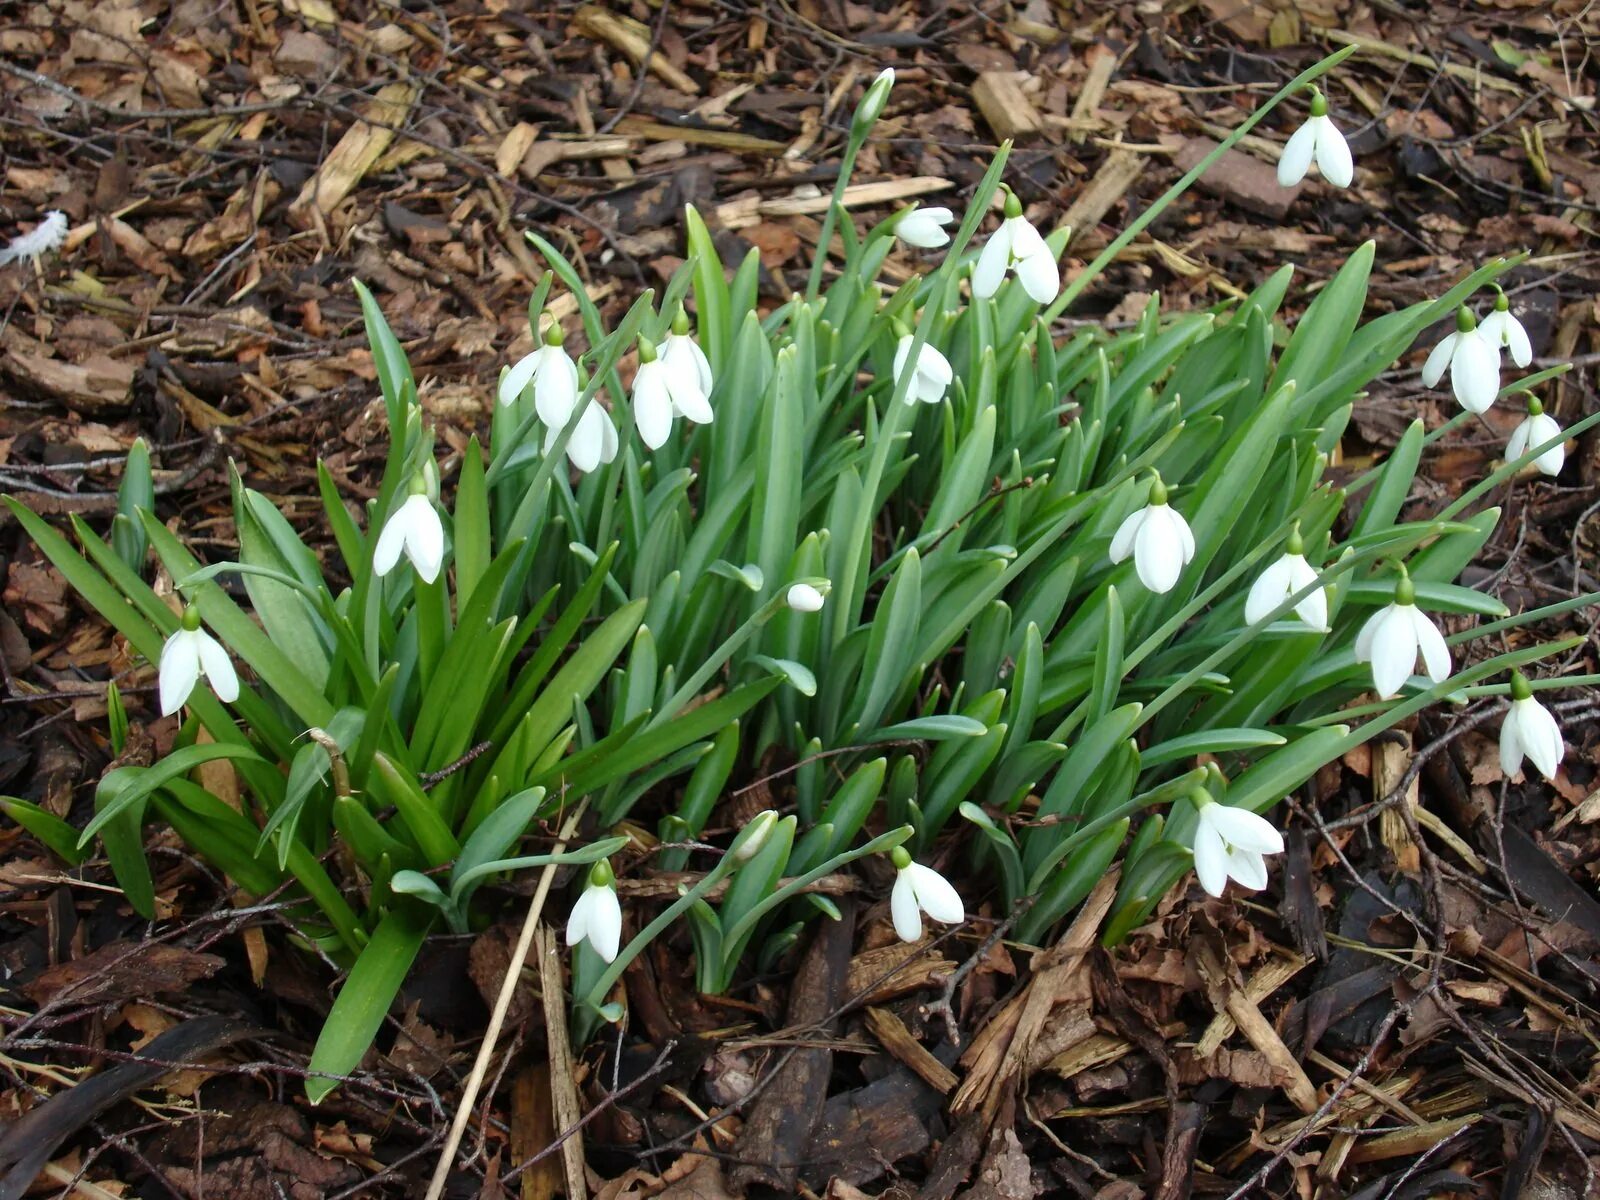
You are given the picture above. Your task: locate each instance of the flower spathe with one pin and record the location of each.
(414, 528)
(1017, 246)
(1158, 538)
(1317, 140)
(1283, 579)
(596, 915)
(924, 227)
(1231, 843)
(188, 655)
(931, 376)
(917, 890)
(663, 391)
(1529, 730)
(1504, 332)
(803, 598)
(1537, 428)
(1474, 365)
(1394, 636)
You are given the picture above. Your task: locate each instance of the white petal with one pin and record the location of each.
(1158, 551)
(608, 433)
(1248, 868)
(1333, 153)
(1368, 632)
(424, 538)
(683, 354)
(1295, 160)
(1122, 543)
(904, 909)
(1185, 535)
(179, 670)
(652, 407)
(935, 896)
(217, 666)
(1492, 328)
(1271, 588)
(1510, 744)
(992, 263)
(1438, 360)
(802, 597)
(1313, 610)
(605, 922)
(390, 542)
(1026, 241)
(902, 352)
(515, 381)
(555, 390)
(1394, 650)
(1039, 276)
(1210, 859)
(688, 400)
(1244, 829)
(1435, 654)
(578, 919)
(935, 366)
(1474, 374)
(585, 445)
(1517, 340)
(1550, 462)
(1521, 440)
(1541, 735)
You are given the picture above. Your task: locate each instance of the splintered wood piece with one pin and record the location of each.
(888, 191)
(1240, 178)
(355, 154)
(1115, 176)
(1389, 762)
(633, 40)
(563, 1086)
(890, 971)
(533, 1127)
(894, 1037)
(1004, 107)
(1257, 1030)
(1278, 971)
(692, 135)
(1102, 62)
(514, 147)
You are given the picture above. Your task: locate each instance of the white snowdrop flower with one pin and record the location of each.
(931, 376)
(593, 442)
(1504, 332)
(683, 355)
(1319, 138)
(1283, 579)
(596, 915)
(1018, 246)
(189, 654)
(1159, 540)
(1394, 636)
(803, 598)
(554, 377)
(1474, 365)
(924, 227)
(662, 391)
(1529, 729)
(1231, 843)
(1537, 428)
(44, 237)
(416, 529)
(917, 890)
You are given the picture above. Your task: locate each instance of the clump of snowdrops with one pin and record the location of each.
(1042, 604)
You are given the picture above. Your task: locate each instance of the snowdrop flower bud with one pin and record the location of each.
(597, 915)
(554, 377)
(924, 227)
(803, 598)
(1536, 429)
(189, 654)
(1530, 730)
(1283, 579)
(684, 357)
(44, 237)
(1231, 843)
(931, 375)
(1159, 540)
(415, 528)
(1018, 246)
(917, 890)
(1503, 331)
(662, 391)
(754, 836)
(1392, 638)
(1474, 365)
(1318, 138)
(872, 104)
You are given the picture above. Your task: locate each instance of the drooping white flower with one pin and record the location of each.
(683, 355)
(917, 890)
(593, 442)
(44, 237)
(1504, 332)
(1283, 579)
(1159, 540)
(596, 914)
(189, 654)
(662, 391)
(1317, 139)
(1537, 428)
(802, 597)
(1231, 843)
(1474, 365)
(924, 227)
(554, 377)
(1529, 729)
(1394, 636)
(415, 528)
(1018, 246)
(932, 375)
